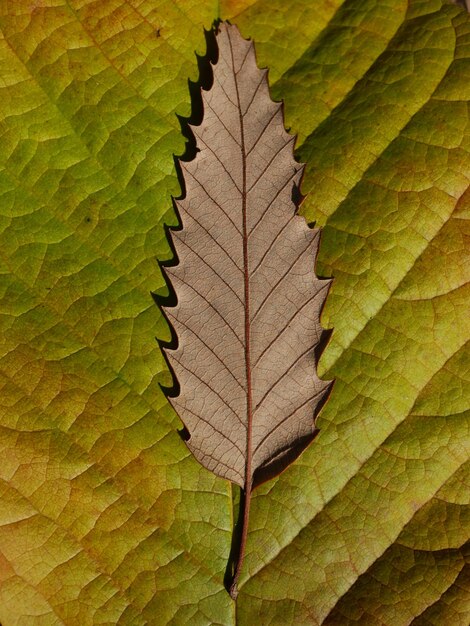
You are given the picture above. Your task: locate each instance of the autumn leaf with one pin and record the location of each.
(106, 517)
(248, 300)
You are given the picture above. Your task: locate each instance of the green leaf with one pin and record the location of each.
(106, 518)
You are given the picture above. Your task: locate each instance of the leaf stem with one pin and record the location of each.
(233, 590)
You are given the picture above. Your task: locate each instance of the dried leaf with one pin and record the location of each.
(248, 300)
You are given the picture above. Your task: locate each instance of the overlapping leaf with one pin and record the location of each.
(248, 305)
(105, 516)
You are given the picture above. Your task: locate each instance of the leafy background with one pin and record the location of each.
(105, 517)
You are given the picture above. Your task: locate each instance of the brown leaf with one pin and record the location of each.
(248, 300)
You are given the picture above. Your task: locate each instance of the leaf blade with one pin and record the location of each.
(164, 563)
(245, 162)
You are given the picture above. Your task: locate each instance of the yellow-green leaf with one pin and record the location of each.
(106, 519)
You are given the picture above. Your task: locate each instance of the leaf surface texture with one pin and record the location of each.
(106, 517)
